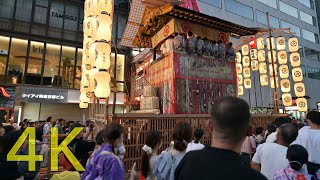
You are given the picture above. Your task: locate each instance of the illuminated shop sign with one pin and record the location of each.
(42, 95)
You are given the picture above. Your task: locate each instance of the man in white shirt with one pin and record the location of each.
(270, 157)
(278, 122)
(309, 138)
(47, 129)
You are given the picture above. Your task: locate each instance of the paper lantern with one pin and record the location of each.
(263, 68)
(254, 65)
(240, 90)
(299, 89)
(285, 85)
(295, 59)
(260, 43)
(281, 43)
(101, 28)
(297, 74)
(293, 44)
(102, 55)
(253, 54)
(88, 8)
(284, 71)
(103, 84)
(272, 82)
(286, 99)
(239, 68)
(87, 64)
(83, 105)
(252, 42)
(246, 61)
(92, 84)
(282, 57)
(105, 7)
(245, 50)
(264, 80)
(261, 56)
(247, 83)
(246, 72)
(302, 104)
(238, 57)
(269, 44)
(85, 81)
(271, 69)
(240, 79)
(87, 28)
(87, 42)
(83, 96)
(274, 56)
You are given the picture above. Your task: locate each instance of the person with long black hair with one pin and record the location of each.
(196, 144)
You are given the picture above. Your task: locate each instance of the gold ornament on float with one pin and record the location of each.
(281, 43)
(260, 43)
(254, 65)
(239, 79)
(297, 74)
(271, 69)
(240, 90)
(246, 72)
(245, 50)
(261, 56)
(302, 104)
(247, 83)
(253, 54)
(299, 89)
(287, 99)
(102, 79)
(263, 68)
(285, 85)
(284, 71)
(264, 80)
(239, 68)
(295, 59)
(282, 57)
(274, 56)
(269, 44)
(272, 82)
(293, 44)
(246, 61)
(238, 57)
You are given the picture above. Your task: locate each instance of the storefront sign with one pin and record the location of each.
(42, 95)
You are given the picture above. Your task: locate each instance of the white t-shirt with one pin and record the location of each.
(169, 45)
(194, 146)
(310, 139)
(272, 138)
(246, 146)
(272, 157)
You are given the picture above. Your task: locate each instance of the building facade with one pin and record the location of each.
(298, 15)
(41, 56)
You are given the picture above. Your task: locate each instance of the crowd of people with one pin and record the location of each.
(237, 150)
(192, 44)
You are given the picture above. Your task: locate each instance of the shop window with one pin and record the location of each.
(292, 27)
(308, 18)
(17, 61)
(40, 14)
(23, 15)
(313, 73)
(67, 66)
(4, 45)
(271, 3)
(262, 18)
(33, 75)
(78, 69)
(56, 18)
(216, 3)
(239, 9)
(51, 67)
(71, 21)
(288, 9)
(312, 54)
(308, 3)
(310, 36)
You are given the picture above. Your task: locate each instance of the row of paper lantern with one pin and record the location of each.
(96, 7)
(293, 44)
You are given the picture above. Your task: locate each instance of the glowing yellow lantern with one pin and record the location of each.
(238, 57)
(253, 54)
(274, 56)
(260, 43)
(85, 81)
(263, 68)
(240, 90)
(285, 85)
(102, 55)
(83, 96)
(302, 104)
(272, 82)
(269, 44)
(239, 68)
(271, 69)
(287, 99)
(102, 28)
(246, 61)
(295, 59)
(297, 74)
(83, 105)
(264, 80)
(103, 84)
(282, 57)
(299, 89)
(105, 7)
(261, 55)
(87, 42)
(293, 44)
(254, 65)
(92, 74)
(284, 71)
(247, 83)
(88, 8)
(281, 43)
(239, 79)
(246, 72)
(87, 28)
(245, 50)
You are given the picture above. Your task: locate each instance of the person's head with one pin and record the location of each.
(313, 118)
(113, 135)
(190, 34)
(230, 118)
(287, 133)
(51, 120)
(25, 121)
(11, 121)
(297, 155)
(205, 39)
(229, 45)
(199, 37)
(198, 133)
(2, 130)
(74, 125)
(176, 34)
(181, 135)
(214, 42)
(99, 137)
(219, 42)
(61, 121)
(153, 143)
(259, 130)
(271, 128)
(250, 131)
(32, 124)
(280, 120)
